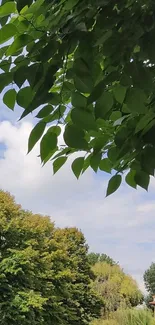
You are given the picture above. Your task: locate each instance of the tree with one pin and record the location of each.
(149, 279)
(87, 65)
(44, 272)
(94, 258)
(116, 288)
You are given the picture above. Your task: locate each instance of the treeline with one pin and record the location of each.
(47, 275)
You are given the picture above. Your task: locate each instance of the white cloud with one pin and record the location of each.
(146, 207)
(122, 225)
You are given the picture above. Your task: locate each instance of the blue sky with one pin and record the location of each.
(122, 225)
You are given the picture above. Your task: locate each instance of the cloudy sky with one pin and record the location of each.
(122, 226)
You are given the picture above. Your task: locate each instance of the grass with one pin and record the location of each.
(128, 317)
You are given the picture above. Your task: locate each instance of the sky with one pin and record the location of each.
(122, 225)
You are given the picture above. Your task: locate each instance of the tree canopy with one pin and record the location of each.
(116, 288)
(94, 258)
(45, 276)
(88, 66)
(149, 280)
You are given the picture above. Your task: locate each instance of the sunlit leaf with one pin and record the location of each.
(6, 32)
(7, 9)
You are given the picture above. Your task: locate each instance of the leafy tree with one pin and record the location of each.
(95, 258)
(149, 279)
(116, 288)
(44, 272)
(88, 65)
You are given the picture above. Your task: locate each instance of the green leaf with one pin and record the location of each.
(144, 121)
(22, 3)
(105, 165)
(74, 137)
(48, 144)
(5, 65)
(142, 179)
(83, 119)
(78, 100)
(45, 111)
(50, 155)
(9, 98)
(130, 178)
(6, 32)
(95, 161)
(35, 6)
(7, 9)
(58, 163)
(136, 100)
(83, 84)
(119, 93)
(69, 4)
(77, 166)
(55, 99)
(148, 160)
(96, 92)
(103, 105)
(113, 184)
(5, 80)
(24, 97)
(86, 163)
(55, 129)
(113, 154)
(19, 43)
(35, 135)
(20, 75)
(115, 116)
(56, 115)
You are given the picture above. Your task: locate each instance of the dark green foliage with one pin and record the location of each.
(91, 64)
(149, 279)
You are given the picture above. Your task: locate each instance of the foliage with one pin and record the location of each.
(44, 272)
(128, 317)
(149, 279)
(88, 65)
(94, 258)
(116, 288)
